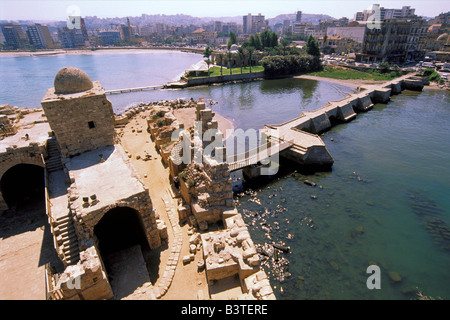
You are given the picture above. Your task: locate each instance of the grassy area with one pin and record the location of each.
(215, 71)
(345, 74)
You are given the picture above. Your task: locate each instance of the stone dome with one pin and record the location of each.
(72, 80)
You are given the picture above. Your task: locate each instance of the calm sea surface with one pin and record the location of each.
(385, 202)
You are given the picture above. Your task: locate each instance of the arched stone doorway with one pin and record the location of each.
(123, 247)
(120, 228)
(23, 185)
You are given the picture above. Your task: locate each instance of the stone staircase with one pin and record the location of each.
(53, 161)
(67, 239)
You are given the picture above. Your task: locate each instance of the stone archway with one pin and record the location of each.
(118, 229)
(123, 246)
(23, 184)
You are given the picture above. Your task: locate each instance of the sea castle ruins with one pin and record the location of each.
(96, 202)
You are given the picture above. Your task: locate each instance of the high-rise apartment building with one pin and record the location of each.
(74, 35)
(15, 37)
(254, 24)
(376, 12)
(39, 36)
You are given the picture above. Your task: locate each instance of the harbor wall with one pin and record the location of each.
(226, 78)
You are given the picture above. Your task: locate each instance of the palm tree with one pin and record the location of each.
(206, 54)
(250, 51)
(220, 60)
(241, 56)
(229, 61)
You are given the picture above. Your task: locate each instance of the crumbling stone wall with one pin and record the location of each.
(86, 280)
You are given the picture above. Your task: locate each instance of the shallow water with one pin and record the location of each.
(385, 160)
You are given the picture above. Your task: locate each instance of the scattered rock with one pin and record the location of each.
(203, 225)
(334, 265)
(313, 184)
(394, 276)
(200, 265)
(186, 259)
(409, 290)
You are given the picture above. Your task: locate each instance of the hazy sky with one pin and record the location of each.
(59, 10)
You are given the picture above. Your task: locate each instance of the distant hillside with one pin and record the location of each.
(145, 19)
(94, 22)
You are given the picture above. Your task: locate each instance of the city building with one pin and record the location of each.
(15, 37)
(126, 33)
(380, 13)
(396, 41)
(254, 24)
(39, 36)
(74, 35)
(109, 37)
(202, 36)
(355, 33)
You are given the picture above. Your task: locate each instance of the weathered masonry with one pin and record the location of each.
(92, 192)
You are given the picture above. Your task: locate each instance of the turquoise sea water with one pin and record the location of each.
(384, 202)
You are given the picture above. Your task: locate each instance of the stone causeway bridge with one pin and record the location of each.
(298, 139)
(256, 155)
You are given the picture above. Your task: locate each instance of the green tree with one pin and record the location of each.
(312, 47)
(265, 39)
(385, 67)
(206, 54)
(233, 37)
(255, 41)
(284, 45)
(273, 39)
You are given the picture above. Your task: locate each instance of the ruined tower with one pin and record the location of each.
(78, 112)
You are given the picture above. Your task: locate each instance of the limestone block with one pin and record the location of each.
(236, 231)
(186, 259)
(162, 228)
(251, 251)
(244, 235)
(203, 225)
(195, 238)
